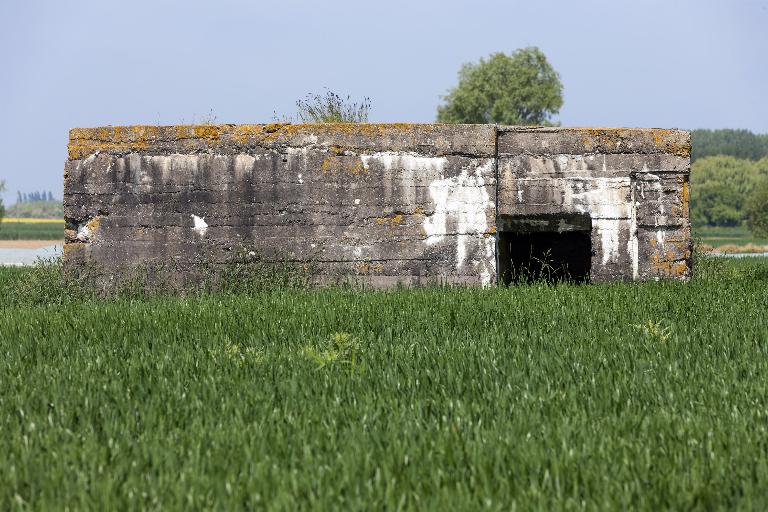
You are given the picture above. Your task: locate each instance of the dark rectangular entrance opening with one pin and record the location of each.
(552, 250)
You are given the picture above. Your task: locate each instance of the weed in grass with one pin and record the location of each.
(341, 348)
(654, 331)
(237, 354)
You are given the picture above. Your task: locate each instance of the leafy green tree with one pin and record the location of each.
(520, 89)
(757, 210)
(720, 186)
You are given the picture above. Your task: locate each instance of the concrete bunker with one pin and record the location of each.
(382, 204)
(552, 248)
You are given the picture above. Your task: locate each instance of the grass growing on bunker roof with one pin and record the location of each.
(330, 107)
(641, 396)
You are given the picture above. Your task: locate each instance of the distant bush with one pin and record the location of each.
(757, 209)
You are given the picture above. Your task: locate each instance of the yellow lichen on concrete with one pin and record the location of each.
(70, 248)
(335, 165)
(669, 141)
(392, 222)
(683, 248)
(595, 138)
(93, 224)
(210, 132)
(281, 131)
(141, 136)
(668, 264)
(612, 139)
(368, 268)
(184, 131)
(245, 133)
(80, 150)
(86, 141)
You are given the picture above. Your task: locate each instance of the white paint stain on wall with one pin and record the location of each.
(632, 244)
(200, 225)
(608, 233)
(244, 164)
(308, 140)
(654, 183)
(606, 202)
(408, 166)
(141, 171)
(301, 151)
(464, 201)
(405, 161)
(83, 232)
(461, 204)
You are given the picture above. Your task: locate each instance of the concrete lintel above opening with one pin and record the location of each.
(557, 223)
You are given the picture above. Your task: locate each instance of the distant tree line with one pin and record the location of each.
(735, 143)
(32, 197)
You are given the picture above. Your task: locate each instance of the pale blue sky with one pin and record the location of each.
(655, 63)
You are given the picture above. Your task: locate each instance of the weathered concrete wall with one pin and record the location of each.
(633, 184)
(385, 204)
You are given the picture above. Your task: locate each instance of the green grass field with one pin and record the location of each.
(31, 230)
(642, 396)
(719, 236)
